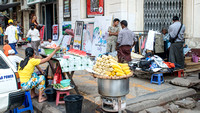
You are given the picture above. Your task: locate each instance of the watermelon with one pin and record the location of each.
(77, 52)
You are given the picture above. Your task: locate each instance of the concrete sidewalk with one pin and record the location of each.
(142, 94)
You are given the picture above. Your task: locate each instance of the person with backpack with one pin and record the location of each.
(176, 37)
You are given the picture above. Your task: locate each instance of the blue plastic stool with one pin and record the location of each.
(157, 78)
(27, 104)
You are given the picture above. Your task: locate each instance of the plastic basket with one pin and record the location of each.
(49, 51)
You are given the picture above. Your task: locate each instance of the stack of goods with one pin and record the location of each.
(77, 52)
(74, 63)
(108, 66)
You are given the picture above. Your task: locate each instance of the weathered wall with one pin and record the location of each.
(191, 17)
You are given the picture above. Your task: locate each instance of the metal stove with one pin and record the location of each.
(113, 94)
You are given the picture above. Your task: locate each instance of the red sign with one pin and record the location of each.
(95, 8)
(55, 29)
(55, 32)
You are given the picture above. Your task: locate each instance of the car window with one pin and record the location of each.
(3, 64)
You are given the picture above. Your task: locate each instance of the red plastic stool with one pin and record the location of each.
(180, 72)
(58, 96)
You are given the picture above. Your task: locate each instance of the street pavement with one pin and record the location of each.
(139, 90)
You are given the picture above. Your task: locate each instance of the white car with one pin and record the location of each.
(10, 96)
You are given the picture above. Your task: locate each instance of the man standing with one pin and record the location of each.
(11, 35)
(35, 38)
(176, 32)
(126, 40)
(113, 33)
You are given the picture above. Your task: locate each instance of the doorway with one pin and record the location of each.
(49, 20)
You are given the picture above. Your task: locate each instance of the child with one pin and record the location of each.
(6, 48)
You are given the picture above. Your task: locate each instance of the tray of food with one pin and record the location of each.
(59, 87)
(107, 67)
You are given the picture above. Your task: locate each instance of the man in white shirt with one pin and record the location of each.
(14, 59)
(11, 35)
(35, 38)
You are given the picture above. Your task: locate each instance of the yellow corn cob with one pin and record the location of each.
(123, 65)
(125, 68)
(116, 66)
(127, 72)
(120, 74)
(113, 73)
(108, 73)
(118, 71)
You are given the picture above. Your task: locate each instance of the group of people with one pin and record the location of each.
(28, 79)
(123, 41)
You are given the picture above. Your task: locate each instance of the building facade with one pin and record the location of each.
(142, 15)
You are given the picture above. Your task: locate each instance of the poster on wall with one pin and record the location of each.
(66, 37)
(95, 8)
(65, 26)
(55, 33)
(67, 8)
(78, 34)
(87, 38)
(100, 34)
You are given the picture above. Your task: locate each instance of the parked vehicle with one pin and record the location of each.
(10, 96)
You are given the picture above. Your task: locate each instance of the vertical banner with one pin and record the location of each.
(78, 34)
(55, 33)
(100, 34)
(87, 38)
(42, 33)
(95, 8)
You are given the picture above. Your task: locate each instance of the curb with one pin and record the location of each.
(43, 107)
(158, 98)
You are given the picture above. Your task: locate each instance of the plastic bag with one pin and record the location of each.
(57, 76)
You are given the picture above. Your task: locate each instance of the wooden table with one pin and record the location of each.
(52, 61)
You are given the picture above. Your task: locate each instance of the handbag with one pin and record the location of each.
(172, 40)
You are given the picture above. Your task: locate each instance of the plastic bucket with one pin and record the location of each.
(51, 95)
(73, 103)
(195, 59)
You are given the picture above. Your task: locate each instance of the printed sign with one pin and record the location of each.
(87, 38)
(95, 8)
(100, 34)
(78, 34)
(55, 32)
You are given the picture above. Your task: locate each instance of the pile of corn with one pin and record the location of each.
(108, 66)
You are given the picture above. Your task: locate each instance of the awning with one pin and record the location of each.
(8, 5)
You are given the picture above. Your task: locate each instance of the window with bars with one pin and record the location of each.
(159, 13)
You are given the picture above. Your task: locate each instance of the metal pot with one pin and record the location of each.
(113, 88)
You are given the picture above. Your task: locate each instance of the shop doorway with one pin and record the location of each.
(49, 20)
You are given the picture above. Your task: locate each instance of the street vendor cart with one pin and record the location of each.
(69, 63)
